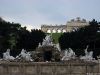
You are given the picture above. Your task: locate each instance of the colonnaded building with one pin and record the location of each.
(71, 25)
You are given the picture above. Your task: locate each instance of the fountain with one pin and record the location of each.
(48, 51)
(26, 56)
(88, 55)
(7, 57)
(47, 41)
(39, 45)
(68, 55)
(58, 46)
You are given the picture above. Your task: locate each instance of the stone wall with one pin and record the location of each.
(49, 68)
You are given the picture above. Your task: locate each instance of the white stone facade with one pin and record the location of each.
(72, 25)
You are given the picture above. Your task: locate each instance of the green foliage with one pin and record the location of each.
(79, 39)
(55, 37)
(15, 37)
(8, 34)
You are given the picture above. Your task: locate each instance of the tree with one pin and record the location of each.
(15, 37)
(79, 39)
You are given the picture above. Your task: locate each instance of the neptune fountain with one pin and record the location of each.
(48, 51)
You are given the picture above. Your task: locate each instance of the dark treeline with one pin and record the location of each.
(15, 37)
(79, 39)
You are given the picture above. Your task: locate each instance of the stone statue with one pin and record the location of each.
(24, 56)
(28, 57)
(88, 55)
(69, 54)
(23, 53)
(47, 41)
(39, 45)
(6, 55)
(58, 47)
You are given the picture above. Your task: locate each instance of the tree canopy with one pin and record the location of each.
(79, 39)
(15, 37)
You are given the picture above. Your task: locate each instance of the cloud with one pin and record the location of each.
(29, 27)
(8, 19)
(33, 13)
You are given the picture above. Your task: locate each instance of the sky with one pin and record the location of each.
(34, 13)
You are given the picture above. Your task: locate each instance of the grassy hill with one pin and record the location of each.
(56, 36)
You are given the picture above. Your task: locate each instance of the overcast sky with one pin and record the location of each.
(33, 13)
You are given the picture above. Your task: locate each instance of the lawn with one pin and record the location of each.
(56, 36)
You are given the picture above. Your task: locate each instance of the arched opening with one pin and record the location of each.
(74, 29)
(59, 31)
(48, 31)
(63, 30)
(54, 31)
(47, 55)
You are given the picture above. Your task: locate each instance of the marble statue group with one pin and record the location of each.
(69, 54)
